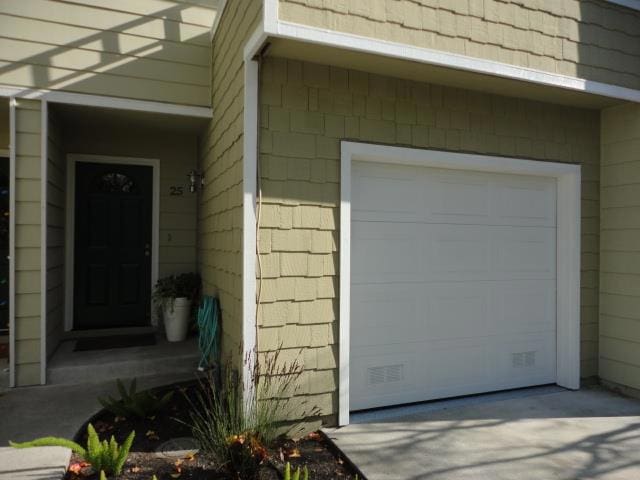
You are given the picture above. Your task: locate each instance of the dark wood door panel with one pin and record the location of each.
(112, 274)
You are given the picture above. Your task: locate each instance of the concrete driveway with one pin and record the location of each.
(542, 434)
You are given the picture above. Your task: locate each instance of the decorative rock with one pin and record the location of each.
(177, 448)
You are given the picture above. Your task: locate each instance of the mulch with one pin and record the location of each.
(322, 459)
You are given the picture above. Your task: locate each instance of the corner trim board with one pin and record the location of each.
(44, 164)
(568, 243)
(72, 159)
(12, 242)
(249, 183)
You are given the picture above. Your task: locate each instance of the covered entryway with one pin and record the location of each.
(452, 284)
(120, 216)
(459, 275)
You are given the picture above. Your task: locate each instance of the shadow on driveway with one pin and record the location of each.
(587, 434)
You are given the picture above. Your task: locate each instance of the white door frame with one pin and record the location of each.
(74, 158)
(568, 243)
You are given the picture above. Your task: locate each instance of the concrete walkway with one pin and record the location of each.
(534, 435)
(28, 413)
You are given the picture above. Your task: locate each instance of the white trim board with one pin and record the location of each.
(12, 242)
(249, 183)
(568, 243)
(69, 259)
(101, 101)
(281, 29)
(44, 173)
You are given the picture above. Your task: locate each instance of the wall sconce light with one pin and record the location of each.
(196, 180)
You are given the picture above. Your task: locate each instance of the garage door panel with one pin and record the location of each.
(385, 376)
(523, 307)
(406, 313)
(521, 200)
(526, 360)
(455, 251)
(524, 252)
(382, 192)
(456, 291)
(456, 197)
(455, 310)
(458, 367)
(385, 252)
(377, 310)
(436, 369)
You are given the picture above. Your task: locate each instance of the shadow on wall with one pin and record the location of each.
(142, 54)
(599, 46)
(602, 52)
(4, 306)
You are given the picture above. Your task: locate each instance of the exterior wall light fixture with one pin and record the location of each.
(196, 180)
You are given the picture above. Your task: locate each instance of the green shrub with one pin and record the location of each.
(236, 430)
(132, 403)
(296, 474)
(102, 455)
(169, 288)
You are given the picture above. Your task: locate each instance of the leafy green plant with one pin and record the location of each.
(169, 288)
(296, 474)
(133, 403)
(236, 428)
(103, 455)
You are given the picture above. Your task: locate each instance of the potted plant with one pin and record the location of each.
(175, 295)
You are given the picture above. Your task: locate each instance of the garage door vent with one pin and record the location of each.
(523, 359)
(385, 374)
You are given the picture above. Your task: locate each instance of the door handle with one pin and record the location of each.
(147, 249)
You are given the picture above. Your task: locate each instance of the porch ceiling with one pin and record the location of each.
(106, 118)
(433, 74)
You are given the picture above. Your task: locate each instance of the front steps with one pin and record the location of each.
(67, 367)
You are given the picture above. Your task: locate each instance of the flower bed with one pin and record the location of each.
(147, 458)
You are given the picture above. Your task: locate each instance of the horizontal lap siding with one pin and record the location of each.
(590, 39)
(147, 50)
(221, 154)
(620, 246)
(306, 110)
(56, 200)
(27, 253)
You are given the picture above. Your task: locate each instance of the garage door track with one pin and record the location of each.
(535, 434)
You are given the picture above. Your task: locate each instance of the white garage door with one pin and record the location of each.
(453, 283)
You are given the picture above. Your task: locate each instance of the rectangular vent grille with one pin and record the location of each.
(523, 359)
(385, 374)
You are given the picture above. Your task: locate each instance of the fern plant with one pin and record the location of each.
(103, 455)
(296, 474)
(133, 403)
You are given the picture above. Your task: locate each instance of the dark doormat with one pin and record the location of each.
(114, 341)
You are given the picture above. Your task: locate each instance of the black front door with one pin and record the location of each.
(112, 273)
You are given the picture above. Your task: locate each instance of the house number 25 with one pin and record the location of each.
(176, 191)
